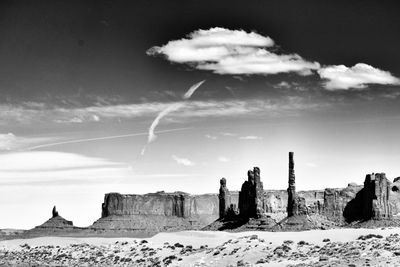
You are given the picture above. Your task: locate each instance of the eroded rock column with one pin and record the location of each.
(292, 205)
(224, 198)
(259, 194)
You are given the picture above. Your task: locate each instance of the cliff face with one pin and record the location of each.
(200, 208)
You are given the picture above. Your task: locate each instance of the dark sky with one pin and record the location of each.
(52, 48)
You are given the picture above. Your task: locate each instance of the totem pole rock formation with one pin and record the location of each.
(251, 195)
(292, 198)
(224, 199)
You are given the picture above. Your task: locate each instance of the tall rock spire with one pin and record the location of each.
(224, 198)
(292, 199)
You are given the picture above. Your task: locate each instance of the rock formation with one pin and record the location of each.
(146, 215)
(56, 225)
(54, 212)
(370, 202)
(292, 203)
(224, 199)
(296, 205)
(377, 190)
(251, 196)
(259, 194)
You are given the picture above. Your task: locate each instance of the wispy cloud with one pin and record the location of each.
(250, 137)
(358, 76)
(57, 167)
(16, 114)
(183, 161)
(226, 51)
(10, 141)
(166, 111)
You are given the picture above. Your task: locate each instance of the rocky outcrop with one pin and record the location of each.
(56, 225)
(251, 195)
(224, 199)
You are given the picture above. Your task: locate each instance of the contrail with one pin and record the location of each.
(102, 138)
(165, 112)
(192, 89)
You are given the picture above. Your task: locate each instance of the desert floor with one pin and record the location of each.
(336, 247)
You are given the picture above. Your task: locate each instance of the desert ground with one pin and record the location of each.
(335, 247)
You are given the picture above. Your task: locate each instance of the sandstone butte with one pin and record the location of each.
(374, 204)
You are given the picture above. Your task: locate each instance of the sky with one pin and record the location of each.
(144, 96)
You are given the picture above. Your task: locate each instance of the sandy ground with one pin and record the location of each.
(335, 247)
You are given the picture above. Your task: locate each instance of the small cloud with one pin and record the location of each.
(358, 76)
(95, 117)
(183, 161)
(227, 134)
(212, 137)
(223, 159)
(250, 137)
(225, 51)
(282, 84)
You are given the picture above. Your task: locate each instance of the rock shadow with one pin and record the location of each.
(355, 209)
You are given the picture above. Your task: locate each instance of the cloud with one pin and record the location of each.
(225, 51)
(250, 137)
(183, 161)
(166, 111)
(212, 137)
(17, 115)
(56, 167)
(223, 159)
(10, 141)
(49, 160)
(358, 76)
(7, 141)
(227, 134)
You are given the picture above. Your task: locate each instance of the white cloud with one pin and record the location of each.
(212, 137)
(358, 76)
(250, 137)
(223, 159)
(225, 51)
(227, 134)
(183, 161)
